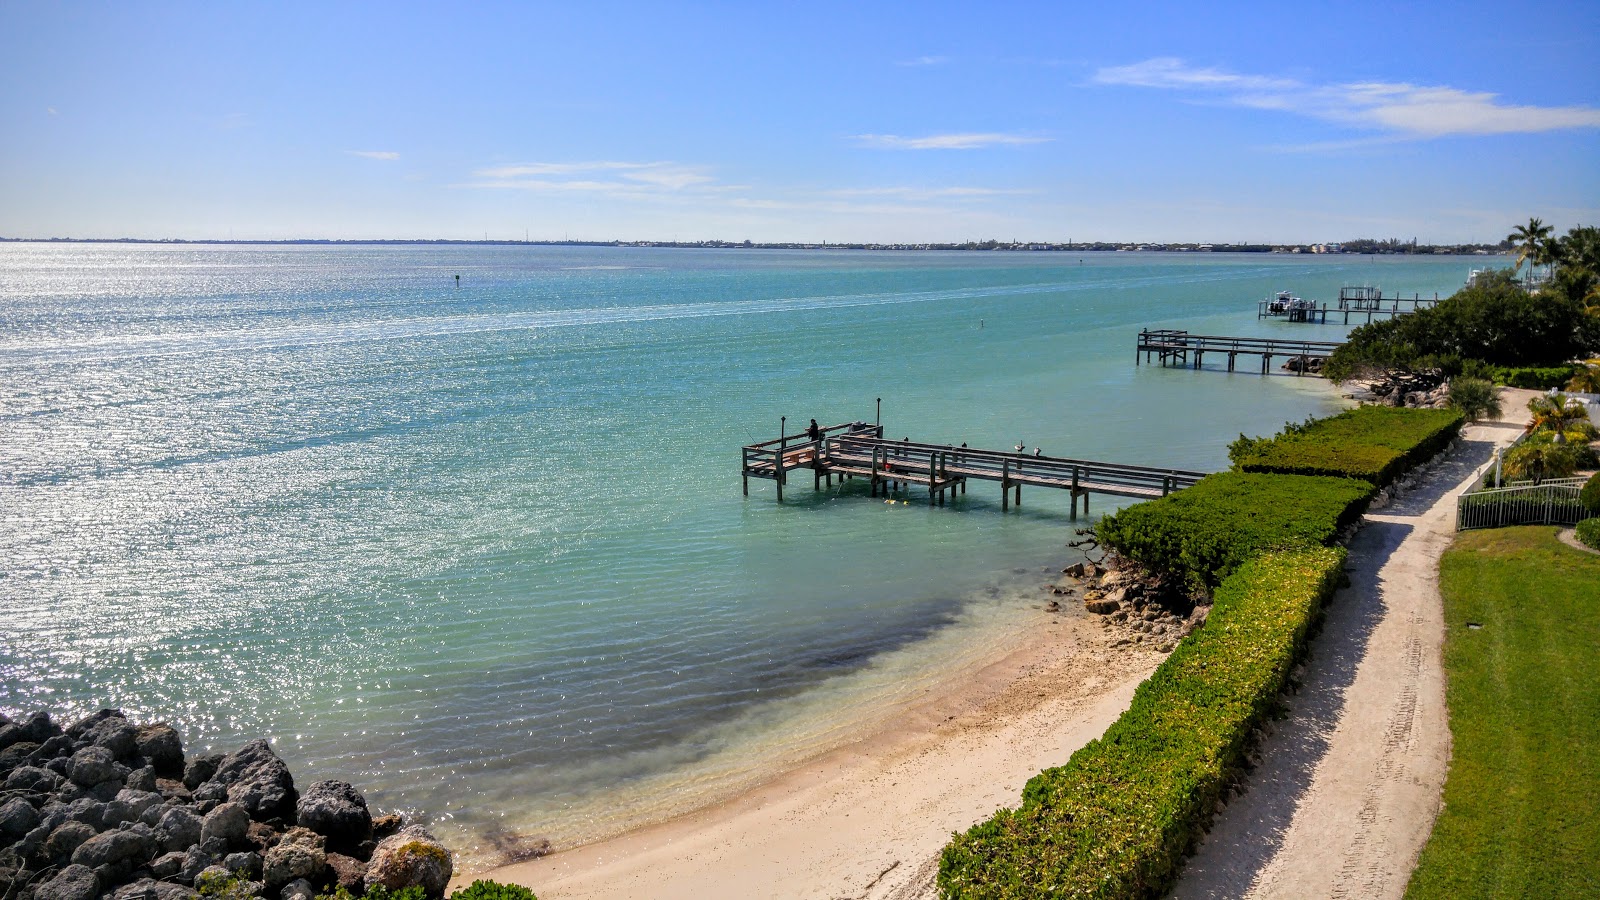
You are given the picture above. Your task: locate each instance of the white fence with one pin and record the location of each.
(1553, 502)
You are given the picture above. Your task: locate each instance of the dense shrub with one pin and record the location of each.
(1203, 533)
(1373, 443)
(1494, 321)
(1589, 532)
(1477, 398)
(1590, 495)
(1538, 456)
(493, 890)
(1118, 818)
(1538, 378)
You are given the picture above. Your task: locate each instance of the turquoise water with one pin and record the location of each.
(483, 550)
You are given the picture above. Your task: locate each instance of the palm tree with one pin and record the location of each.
(1586, 380)
(1532, 243)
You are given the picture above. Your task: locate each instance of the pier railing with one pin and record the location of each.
(1175, 347)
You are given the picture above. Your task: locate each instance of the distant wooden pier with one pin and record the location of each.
(1170, 347)
(859, 450)
(1353, 301)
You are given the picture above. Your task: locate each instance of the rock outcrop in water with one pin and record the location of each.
(109, 810)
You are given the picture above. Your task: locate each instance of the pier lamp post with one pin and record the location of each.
(877, 417)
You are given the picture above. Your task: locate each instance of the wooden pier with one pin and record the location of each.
(858, 450)
(1171, 347)
(1353, 301)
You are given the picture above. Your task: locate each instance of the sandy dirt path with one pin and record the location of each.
(868, 821)
(1348, 785)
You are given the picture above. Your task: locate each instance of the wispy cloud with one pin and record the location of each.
(928, 193)
(966, 141)
(1417, 111)
(374, 154)
(601, 176)
(924, 61)
(51, 110)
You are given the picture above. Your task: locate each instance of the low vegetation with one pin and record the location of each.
(1372, 443)
(1588, 532)
(1476, 398)
(1590, 495)
(1521, 614)
(1203, 533)
(1118, 818)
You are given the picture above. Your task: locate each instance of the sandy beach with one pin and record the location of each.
(868, 820)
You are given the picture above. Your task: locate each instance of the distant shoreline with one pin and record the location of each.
(1349, 248)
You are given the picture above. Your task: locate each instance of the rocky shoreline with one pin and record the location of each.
(105, 809)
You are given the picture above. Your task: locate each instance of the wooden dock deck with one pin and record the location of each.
(1353, 301)
(1180, 348)
(859, 450)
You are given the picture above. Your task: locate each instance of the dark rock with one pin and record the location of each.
(149, 889)
(130, 806)
(336, 810)
(200, 768)
(60, 745)
(182, 826)
(211, 792)
(32, 778)
(243, 864)
(17, 818)
(18, 754)
(167, 865)
(214, 845)
(112, 847)
(109, 729)
(95, 765)
(257, 778)
(1102, 607)
(195, 862)
(216, 872)
(142, 780)
(160, 744)
(173, 790)
(105, 791)
(32, 845)
(411, 857)
(38, 728)
(346, 871)
(61, 765)
(229, 822)
(298, 889)
(10, 734)
(300, 854)
(75, 882)
(385, 825)
(363, 850)
(262, 836)
(89, 812)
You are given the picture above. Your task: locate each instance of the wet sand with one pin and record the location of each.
(868, 820)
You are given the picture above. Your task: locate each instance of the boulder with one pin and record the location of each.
(88, 811)
(10, 734)
(259, 780)
(1102, 606)
(135, 845)
(262, 836)
(108, 728)
(130, 806)
(243, 864)
(194, 862)
(95, 765)
(298, 889)
(229, 822)
(32, 778)
(199, 769)
(38, 728)
(18, 754)
(300, 854)
(167, 865)
(17, 818)
(387, 824)
(336, 810)
(160, 744)
(183, 828)
(75, 882)
(347, 871)
(1076, 570)
(148, 889)
(412, 857)
(142, 780)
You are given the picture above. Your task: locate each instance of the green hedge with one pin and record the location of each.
(1539, 378)
(1372, 443)
(1204, 532)
(1590, 495)
(1118, 818)
(1589, 532)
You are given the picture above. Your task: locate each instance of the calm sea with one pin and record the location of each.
(482, 550)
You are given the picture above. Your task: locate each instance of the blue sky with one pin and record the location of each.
(806, 122)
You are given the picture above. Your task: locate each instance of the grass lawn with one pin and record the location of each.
(1521, 813)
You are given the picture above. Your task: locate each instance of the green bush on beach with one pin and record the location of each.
(1203, 533)
(1118, 818)
(1373, 443)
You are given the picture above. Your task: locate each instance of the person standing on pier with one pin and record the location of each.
(813, 431)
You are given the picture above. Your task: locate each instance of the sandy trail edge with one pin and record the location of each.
(1349, 784)
(868, 820)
